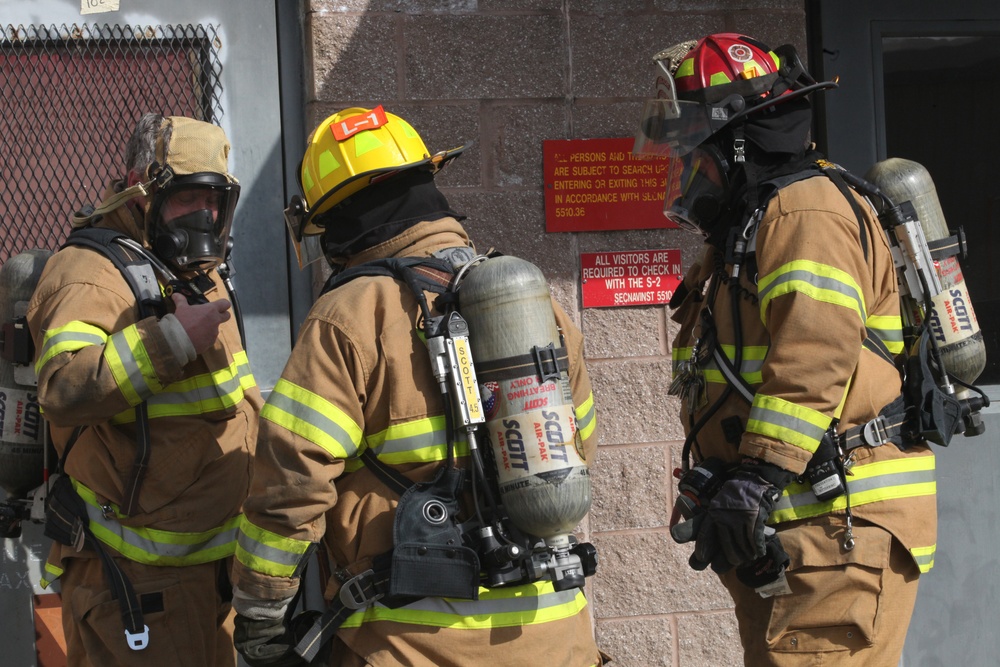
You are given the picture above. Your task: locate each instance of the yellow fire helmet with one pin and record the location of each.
(347, 152)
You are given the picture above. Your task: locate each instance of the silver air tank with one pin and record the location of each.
(543, 479)
(22, 435)
(953, 322)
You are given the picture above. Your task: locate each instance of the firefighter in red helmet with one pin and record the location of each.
(818, 527)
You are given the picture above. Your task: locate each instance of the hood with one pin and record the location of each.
(420, 240)
(127, 218)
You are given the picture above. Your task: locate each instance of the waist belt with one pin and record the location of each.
(356, 592)
(891, 425)
(427, 558)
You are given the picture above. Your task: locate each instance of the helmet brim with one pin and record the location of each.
(358, 182)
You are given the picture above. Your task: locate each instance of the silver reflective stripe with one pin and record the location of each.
(924, 561)
(822, 282)
(314, 418)
(859, 486)
(782, 420)
(143, 549)
(582, 422)
(485, 606)
(71, 336)
(264, 552)
(737, 382)
(748, 367)
(412, 443)
(888, 335)
(208, 393)
(135, 377)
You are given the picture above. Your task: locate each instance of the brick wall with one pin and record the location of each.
(506, 75)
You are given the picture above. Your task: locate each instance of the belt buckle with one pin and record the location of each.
(354, 592)
(873, 433)
(137, 641)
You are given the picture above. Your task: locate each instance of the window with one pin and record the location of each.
(71, 97)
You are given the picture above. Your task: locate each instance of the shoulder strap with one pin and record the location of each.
(135, 268)
(423, 273)
(141, 278)
(838, 180)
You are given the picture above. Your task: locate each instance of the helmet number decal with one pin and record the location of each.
(348, 127)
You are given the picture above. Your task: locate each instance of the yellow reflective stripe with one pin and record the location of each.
(268, 553)
(531, 604)
(417, 441)
(53, 572)
(889, 329)
(586, 417)
(867, 483)
(152, 546)
(783, 420)
(242, 363)
(818, 281)
(208, 392)
(924, 557)
(686, 68)
(131, 366)
(750, 368)
(68, 338)
(719, 79)
(312, 417)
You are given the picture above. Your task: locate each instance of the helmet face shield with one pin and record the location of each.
(672, 128)
(308, 248)
(697, 190)
(190, 221)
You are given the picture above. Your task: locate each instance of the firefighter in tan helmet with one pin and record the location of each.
(153, 409)
(359, 456)
(798, 487)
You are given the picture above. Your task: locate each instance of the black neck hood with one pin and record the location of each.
(379, 212)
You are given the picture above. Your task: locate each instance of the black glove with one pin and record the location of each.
(731, 531)
(270, 643)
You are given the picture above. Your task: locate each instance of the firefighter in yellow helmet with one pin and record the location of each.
(801, 487)
(358, 422)
(152, 406)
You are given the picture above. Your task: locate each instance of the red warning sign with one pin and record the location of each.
(629, 278)
(598, 184)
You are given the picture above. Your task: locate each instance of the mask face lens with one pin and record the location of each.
(192, 223)
(697, 190)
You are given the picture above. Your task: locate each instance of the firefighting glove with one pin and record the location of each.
(732, 529)
(271, 642)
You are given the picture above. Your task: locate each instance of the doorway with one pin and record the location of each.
(918, 80)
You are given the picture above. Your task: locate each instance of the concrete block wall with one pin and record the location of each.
(502, 76)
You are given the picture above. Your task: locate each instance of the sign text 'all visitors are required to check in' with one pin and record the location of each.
(629, 277)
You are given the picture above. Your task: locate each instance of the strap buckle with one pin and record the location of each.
(138, 640)
(359, 591)
(873, 433)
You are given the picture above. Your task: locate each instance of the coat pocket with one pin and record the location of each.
(836, 593)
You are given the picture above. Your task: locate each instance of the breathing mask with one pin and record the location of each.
(698, 189)
(190, 219)
(194, 196)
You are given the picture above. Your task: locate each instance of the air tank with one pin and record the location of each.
(22, 437)
(953, 321)
(543, 478)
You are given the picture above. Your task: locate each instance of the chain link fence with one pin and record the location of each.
(71, 96)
